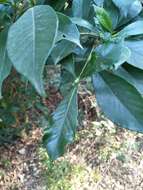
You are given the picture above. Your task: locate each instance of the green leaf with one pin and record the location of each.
(69, 65)
(3, 1)
(85, 62)
(119, 100)
(61, 50)
(136, 48)
(99, 2)
(91, 66)
(68, 75)
(133, 29)
(128, 7)
(104, 18)
(121, 11)
(5, 19)
(68, 30)
(132, 75)
(64, 125)
(81, 8)
(137, 75)
(83, 23)
(30, 42)
(113, 12)
(5, 64)
(121, 72)
(111, 55)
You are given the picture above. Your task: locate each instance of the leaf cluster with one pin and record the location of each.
(102, 39)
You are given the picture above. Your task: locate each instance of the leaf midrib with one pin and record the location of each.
(67, 110)
(124, 105)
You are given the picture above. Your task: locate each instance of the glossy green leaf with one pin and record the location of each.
(64, 125)
(5, 19)
(30, 42)
(61, 50)
(111, 55)
(5, 63)
(68, 75)
(121, 11)
(69, 65)
(136, 28)
(81, 8)
(83, 23)
(99, 2)
(85, 62)
(104, 18)
(132, 75)
(122, 72)
(136, 48)
(135, 9)
(119, 100)
(91, 66)
(68, 30)
(128, 7)
(137, 75)
(113, 12)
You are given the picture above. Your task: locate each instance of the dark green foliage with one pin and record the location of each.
(102, 39)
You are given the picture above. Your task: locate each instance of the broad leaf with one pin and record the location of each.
(137, 75)
(132, 75)
(133, 29)
(113, 12)
(136, 48)
(68, 30)
(68, 75)
(85, 62)
(4, 15)
(91, 67)
(99, 2)
(61, 50)
(81, 8)
(128, 7)
(30, 42)
(119, 100)
(103, 18)
(111, 55)
(69, 65)
(5, 64)
(83, 23)
(64, 125)
(122, 11)
(135, 9)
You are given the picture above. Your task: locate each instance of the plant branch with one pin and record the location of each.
(83, 69)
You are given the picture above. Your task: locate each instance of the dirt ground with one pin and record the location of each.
(103, 157)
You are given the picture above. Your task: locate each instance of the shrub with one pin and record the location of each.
(102, 39)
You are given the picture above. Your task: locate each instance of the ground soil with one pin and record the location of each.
(111, 158)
